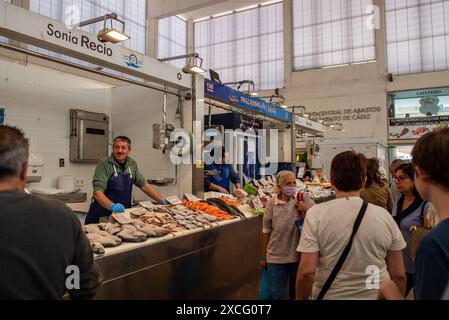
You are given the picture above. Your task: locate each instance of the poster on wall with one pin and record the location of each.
(2, 115)
(415, 128)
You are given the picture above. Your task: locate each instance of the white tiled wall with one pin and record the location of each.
(38, 100)
(134, 111)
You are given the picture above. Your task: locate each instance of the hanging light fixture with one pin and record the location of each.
(278, 100)
(251, 87)
(108, 33)
(192, 66)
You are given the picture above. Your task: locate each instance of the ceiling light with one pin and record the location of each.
(284, 106)
(192, 67)
(108, 33)
(112, 35)
(250, 83)
(251, 93)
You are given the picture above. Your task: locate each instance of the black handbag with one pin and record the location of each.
(345, 253)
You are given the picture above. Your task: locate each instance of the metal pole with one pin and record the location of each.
(198, 130)
(190, 55)
(293, 142)
(95, 20)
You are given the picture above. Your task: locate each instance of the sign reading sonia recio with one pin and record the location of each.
(415, 128)
(79, 40)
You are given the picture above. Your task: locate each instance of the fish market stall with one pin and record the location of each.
(221, 262)
(177, 252)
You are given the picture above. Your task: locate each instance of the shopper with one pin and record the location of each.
(393, 166)
(430, 157)
(42, 241)
(113, 182)
(308, 176)
(409, 210)
(376, 190)
(376, 248)
(320, 177)
(280, 238)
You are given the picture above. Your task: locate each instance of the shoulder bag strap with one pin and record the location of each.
(421, 216)
(345, 253)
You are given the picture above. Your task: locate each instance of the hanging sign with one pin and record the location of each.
(219, 92)
(23, 25)
(305, 123)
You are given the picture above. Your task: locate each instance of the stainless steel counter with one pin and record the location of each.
(217, 263)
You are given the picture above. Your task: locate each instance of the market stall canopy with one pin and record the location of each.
(31, 28)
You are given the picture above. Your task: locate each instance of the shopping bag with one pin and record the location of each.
(417, 234)
(263, 293)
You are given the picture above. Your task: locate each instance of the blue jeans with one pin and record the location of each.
(279, 275)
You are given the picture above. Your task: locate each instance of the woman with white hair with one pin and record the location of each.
(280, 238)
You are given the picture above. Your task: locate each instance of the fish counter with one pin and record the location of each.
(217, 262)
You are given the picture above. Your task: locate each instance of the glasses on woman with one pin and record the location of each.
(400, 179)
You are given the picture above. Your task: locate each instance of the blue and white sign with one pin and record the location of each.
(133, 62)
(225, 94)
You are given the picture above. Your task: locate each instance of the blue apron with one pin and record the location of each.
(223, 180)
(119, 190)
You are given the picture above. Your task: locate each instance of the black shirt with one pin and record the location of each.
(39, 239)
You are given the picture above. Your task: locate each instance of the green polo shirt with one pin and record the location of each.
(105, 170)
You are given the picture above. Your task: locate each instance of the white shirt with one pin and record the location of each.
(327, 229)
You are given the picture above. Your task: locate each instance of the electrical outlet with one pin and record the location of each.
(80, 182)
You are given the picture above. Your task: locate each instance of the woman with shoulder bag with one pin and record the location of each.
(346, 240)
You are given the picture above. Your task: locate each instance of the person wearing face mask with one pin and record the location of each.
(280, 238)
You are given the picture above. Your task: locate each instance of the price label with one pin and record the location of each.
(191, 197)
(120, 218)
(139, 212)
(257, 204)
(199, 164)
(147, 204)
(174, 200)
(264, 182)
(256, 183)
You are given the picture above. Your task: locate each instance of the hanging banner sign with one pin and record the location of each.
(22, 25)
(233, 97)
(415, 128)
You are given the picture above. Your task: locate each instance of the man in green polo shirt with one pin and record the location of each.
(113, 182)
